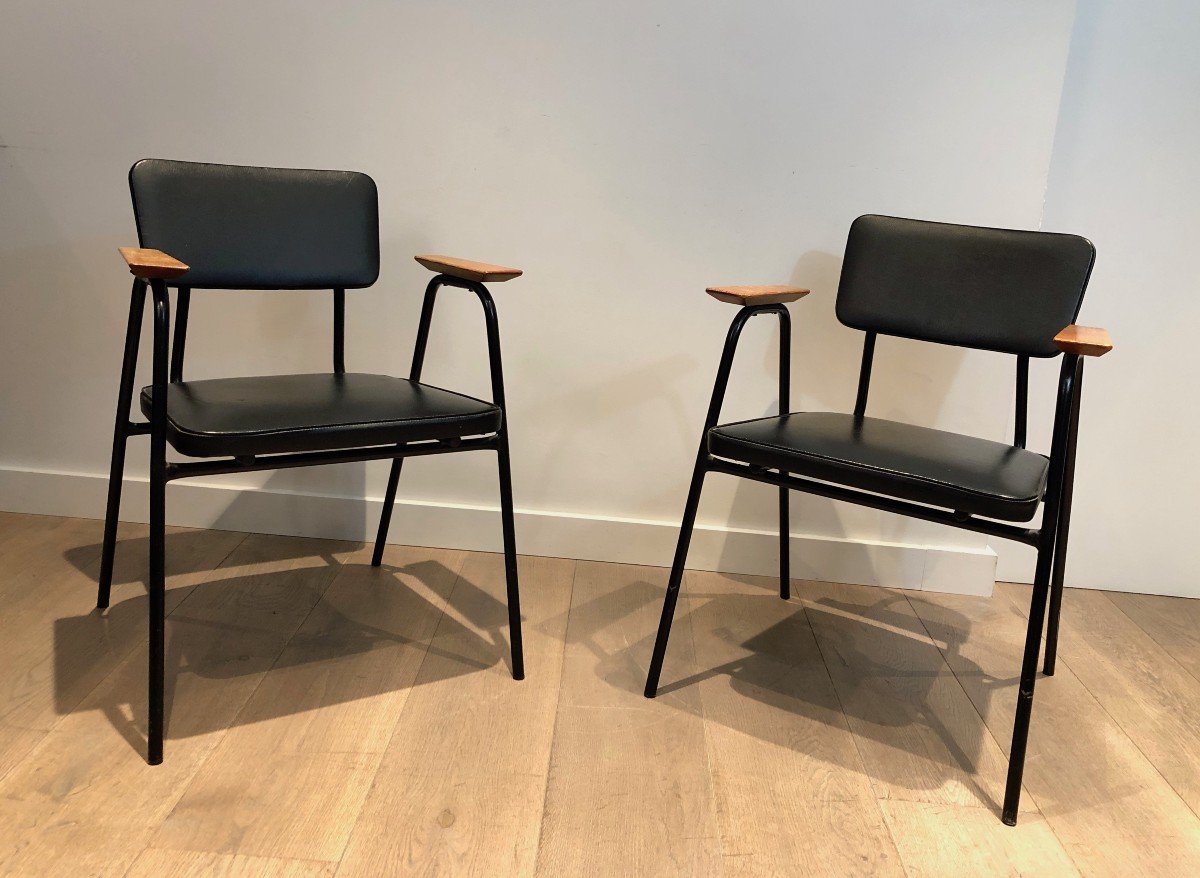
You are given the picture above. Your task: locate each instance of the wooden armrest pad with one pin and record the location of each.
(770, 295)
(1088, 341)
(151, 264)
(468, 270)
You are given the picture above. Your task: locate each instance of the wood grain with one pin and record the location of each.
(468, 269)
(761, 295)
(781, 753)
(1173, 623)
(1087, 341)
(85, 801)
(151, 264)
(629, 790)
(157, 863)
(461, 787)
(1137, 682)
(1087, 776)
(327, 717)
(316, 727)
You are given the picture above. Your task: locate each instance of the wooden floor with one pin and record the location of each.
(326, 718)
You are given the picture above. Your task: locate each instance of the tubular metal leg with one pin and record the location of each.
(672, 596)
(116, 471)
(154, 746)
(510, 559)
(1062, 531)
(785, 534)
(1056, 583)
(385, 517)
(1033, 642)
(158, 492)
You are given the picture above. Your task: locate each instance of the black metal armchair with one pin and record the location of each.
(989, 289)
(245, 228)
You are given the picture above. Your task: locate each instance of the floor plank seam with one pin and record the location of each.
(233, 722)
(562, 671)
(1124, 731)
(425, 644)
(1029, 797)
(61, 717)
(1150, 634)
(853, 736)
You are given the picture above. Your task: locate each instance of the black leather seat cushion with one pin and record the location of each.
(963, 473)
(283, 413)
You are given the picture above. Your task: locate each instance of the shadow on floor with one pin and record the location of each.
(822, 661)
(321, 619)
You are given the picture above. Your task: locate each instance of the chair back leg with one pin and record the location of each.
(116, 473)
(508, 526)
(385, 516)
(785, 544)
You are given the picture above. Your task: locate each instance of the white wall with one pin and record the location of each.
(625, 153)
(1126, 173)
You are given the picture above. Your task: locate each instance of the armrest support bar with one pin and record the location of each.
(151, 264)
(466, 269)
(492, 326)
(731, 340)
(1086, 341)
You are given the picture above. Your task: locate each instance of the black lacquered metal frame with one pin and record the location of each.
(1050, 539)
(168, 368)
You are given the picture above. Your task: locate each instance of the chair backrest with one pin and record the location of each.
(992, 289)
(259, 228)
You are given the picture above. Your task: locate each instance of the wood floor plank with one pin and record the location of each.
(629, 790)
(461, 787)
(1154, 700)
(60, 646)
(1105, 802)
(920, 736)
(84, 800)
(318, 723)
(1174, 623)
(57, 646)
(320, 709)
(949, 841)
(158, 863)
(792, 794)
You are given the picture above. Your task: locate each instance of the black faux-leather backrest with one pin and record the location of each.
(259, 228)
(993, 289)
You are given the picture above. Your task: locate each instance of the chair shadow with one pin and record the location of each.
(780, 666)
(228, 628)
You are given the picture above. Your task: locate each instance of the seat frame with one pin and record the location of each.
(1050, 539)
(168, 367)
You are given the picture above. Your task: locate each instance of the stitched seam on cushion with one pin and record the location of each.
(877, 469)
(324, 428)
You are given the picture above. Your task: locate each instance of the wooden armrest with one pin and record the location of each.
(468, 270)
(151, 264)
(1088, 341)
(771, 295)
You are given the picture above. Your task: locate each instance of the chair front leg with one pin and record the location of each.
(681, 550)
(116, 473)
(508, 526)
(1033, 642)
(158, 486)
(1063, 530)
(1047, 539)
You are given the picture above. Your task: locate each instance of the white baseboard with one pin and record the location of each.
(557, 534)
